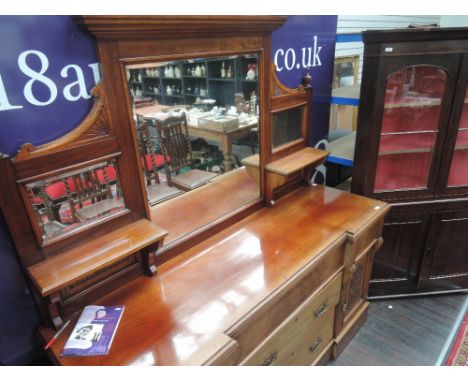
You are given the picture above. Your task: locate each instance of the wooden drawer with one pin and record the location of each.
(302, 336)
(260, 322)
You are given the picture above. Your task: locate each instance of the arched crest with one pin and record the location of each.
(280, 90)
(96, 126)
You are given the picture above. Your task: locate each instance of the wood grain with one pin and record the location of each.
(55, 273)
(297, 161)
(138, 27)
(96, 125)
(203, 292)
(187, 213)
(291, 339)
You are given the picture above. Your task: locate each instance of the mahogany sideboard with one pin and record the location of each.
(254, 266)
(261, 292)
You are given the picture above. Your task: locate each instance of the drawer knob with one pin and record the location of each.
(315, 345)
(321, 310)
(269, 361)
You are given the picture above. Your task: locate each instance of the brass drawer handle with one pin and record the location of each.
(315, 345)
(269, 361)
(321, 310)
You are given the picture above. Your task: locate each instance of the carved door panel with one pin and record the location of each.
(356, 281)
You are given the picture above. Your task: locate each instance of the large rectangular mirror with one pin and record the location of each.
(195, 120)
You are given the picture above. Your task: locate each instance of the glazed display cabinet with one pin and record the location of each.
(412, 151)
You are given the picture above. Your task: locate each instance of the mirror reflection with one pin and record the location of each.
(286, 126)
(195, 120)
(70, 200)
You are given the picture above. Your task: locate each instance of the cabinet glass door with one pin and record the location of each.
(458, 175)
(410, 123)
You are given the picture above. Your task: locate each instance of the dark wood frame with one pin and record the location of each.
(420, 210)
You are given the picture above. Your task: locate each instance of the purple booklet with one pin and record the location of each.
(94, 331)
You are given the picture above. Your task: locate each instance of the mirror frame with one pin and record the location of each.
(284, 98)
(124, 40)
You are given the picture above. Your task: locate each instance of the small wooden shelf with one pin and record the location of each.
(297, 161)
(60, 271)
(286, 169)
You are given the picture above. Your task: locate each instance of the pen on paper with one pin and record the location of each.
(52, 340)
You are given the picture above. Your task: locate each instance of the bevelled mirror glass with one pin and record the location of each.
(195, 121)
(286, 126)
(66, 202)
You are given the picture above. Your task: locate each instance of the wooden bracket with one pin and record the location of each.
(53, 301)
(149, 259)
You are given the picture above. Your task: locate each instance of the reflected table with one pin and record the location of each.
(225, 138)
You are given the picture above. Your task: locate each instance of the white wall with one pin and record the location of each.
(454, 21)
(357, 24)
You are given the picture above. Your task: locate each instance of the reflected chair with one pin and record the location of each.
(42, 208)
(177, 151)
(92, 194)
(158, 191)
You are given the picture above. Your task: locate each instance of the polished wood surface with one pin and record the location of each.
(230, 276)
(286, 170)
(291, 163)
(260, 322)
(200, 294)
(299, 339)
(138, 27)
(297, 161)
(187, 213)
(55, 273)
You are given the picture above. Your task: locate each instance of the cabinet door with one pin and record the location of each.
(356, 282)
(454, 170)
(445, 263)
(413, 96)
(397, 262)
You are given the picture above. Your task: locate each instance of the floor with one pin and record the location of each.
(404, 332)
